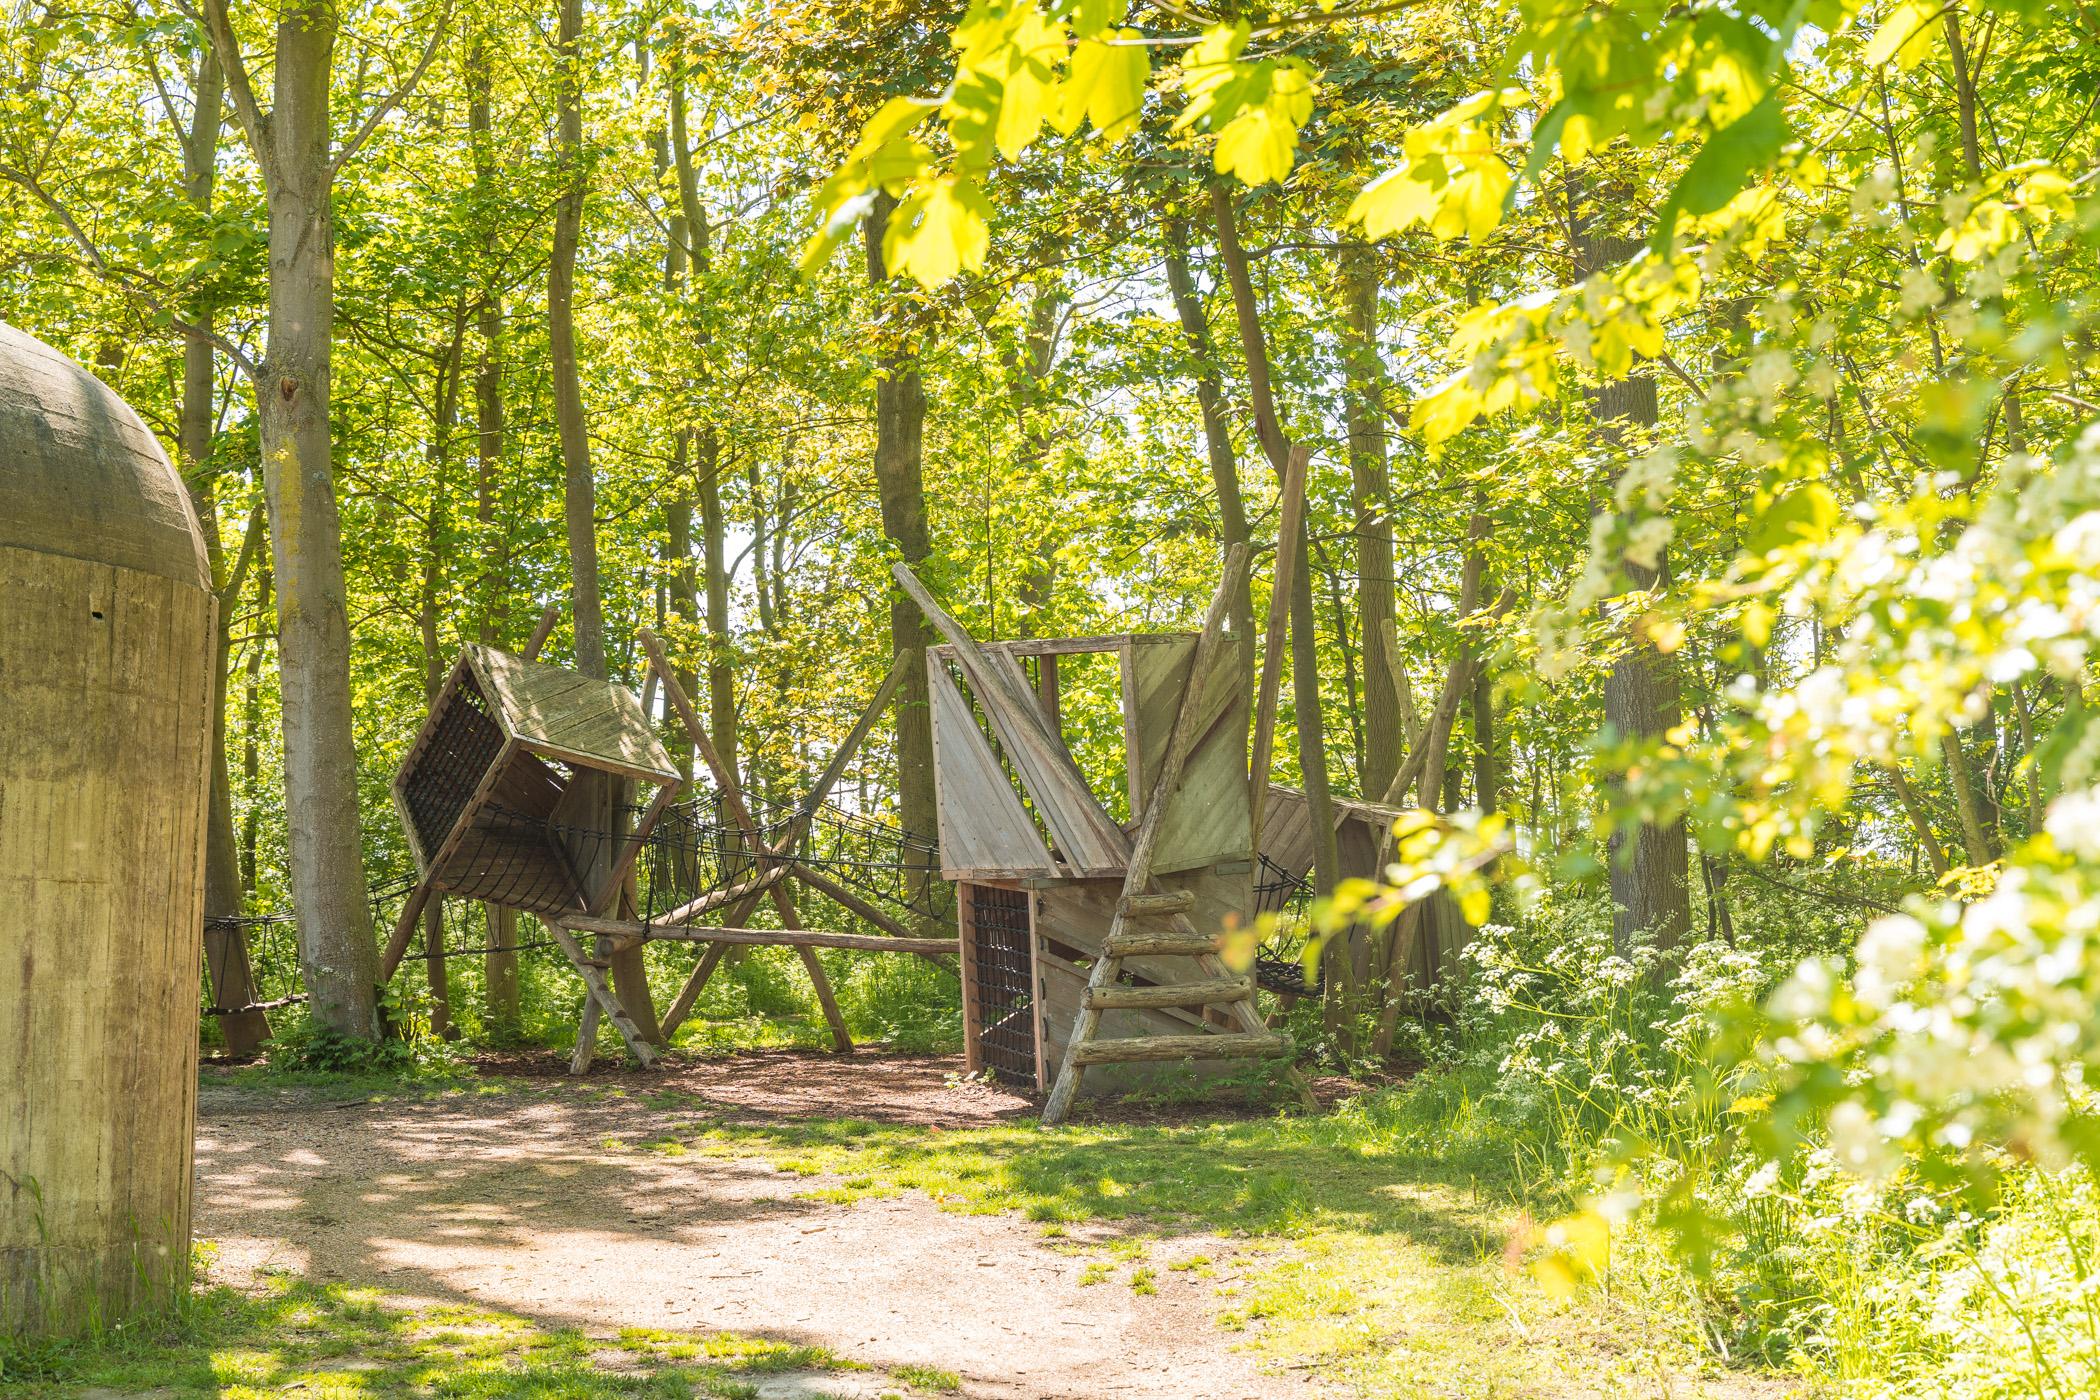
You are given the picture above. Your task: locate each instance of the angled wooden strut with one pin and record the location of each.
(733, 799)
(743, 898)
(1139, 904)
(1087, 838)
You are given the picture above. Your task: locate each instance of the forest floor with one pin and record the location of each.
(718, 1228)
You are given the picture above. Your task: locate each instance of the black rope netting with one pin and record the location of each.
(1279, 964)
(512, 857)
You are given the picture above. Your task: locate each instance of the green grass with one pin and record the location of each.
(1373, 1243)
(330, 1342)
(929, 1378)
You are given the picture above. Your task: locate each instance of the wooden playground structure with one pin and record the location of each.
(1082, 942)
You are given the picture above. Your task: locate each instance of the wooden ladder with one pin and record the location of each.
(1145, 925)
(1151, 922)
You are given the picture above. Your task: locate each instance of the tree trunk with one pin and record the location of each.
(599, 796)
(251, 721)
(1305, 647)
(1650, 866)
(502, 1022)
(225, 943)
(1363, 409)
(336, 949)
(437, 455)
(1217, 432)
(900, 418)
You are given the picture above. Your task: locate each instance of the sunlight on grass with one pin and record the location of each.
(331, 1342)
(1369, 1243)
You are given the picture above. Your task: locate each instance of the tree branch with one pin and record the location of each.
(109, 273)
(255, 124)
(399, 95)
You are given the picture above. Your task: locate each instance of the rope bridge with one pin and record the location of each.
(696, 851)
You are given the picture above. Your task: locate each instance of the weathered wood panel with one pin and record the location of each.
(984, 829)
(105, 690)
(556, 712)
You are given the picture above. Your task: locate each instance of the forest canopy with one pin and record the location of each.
(1702, 524)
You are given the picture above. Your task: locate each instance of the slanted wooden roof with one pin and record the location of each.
(558, 714)
(1362, 831)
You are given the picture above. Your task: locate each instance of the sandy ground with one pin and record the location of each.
(514, 1202)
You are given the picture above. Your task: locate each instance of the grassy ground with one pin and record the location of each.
(1380, 1245)
(336, 1343)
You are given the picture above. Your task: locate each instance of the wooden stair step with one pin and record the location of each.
(1216, 991)
(1129, 1049)
(1139, 906)
(1158, 945)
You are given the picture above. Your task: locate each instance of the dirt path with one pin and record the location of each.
(514, 1202)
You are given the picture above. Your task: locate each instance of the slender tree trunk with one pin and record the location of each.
(721, 679)
(600, 796)
(1650, 864)
(579, 488)
(225, 944)
(336, 948)
(1217, 431)
(900, 418)
(251, 721)
(502, 1022)
(1363, 409)
(429, 594)
(1305, 646)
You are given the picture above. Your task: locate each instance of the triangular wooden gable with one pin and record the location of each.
(985, 831)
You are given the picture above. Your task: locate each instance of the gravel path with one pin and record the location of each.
(515, 1202)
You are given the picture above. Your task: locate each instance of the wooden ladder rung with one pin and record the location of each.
(1138, 906)
(1126, 1049)
(1158, 945)
(1216, 991)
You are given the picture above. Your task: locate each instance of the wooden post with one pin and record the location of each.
(1289, 531)
(733, 799)
(593, 975)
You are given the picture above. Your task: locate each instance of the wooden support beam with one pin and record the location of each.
(404, 928)
(1125, 943)
(602, 994)
(752, 889)
(733, 799)
(1215, 991)
(690, 993)
(1289, 531)
(850, 901)
(586, 1035)
(544, 629)
(1140, 906)
(1130, 1049)
(765, 937)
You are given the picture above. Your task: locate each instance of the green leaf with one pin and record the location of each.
(942, 229)
(1261, 143)
(1807, 512)
(1722, 167)
(1906, 35)
(1106, 86)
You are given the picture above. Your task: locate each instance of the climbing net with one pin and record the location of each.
(695, 850)
(1279, 964)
